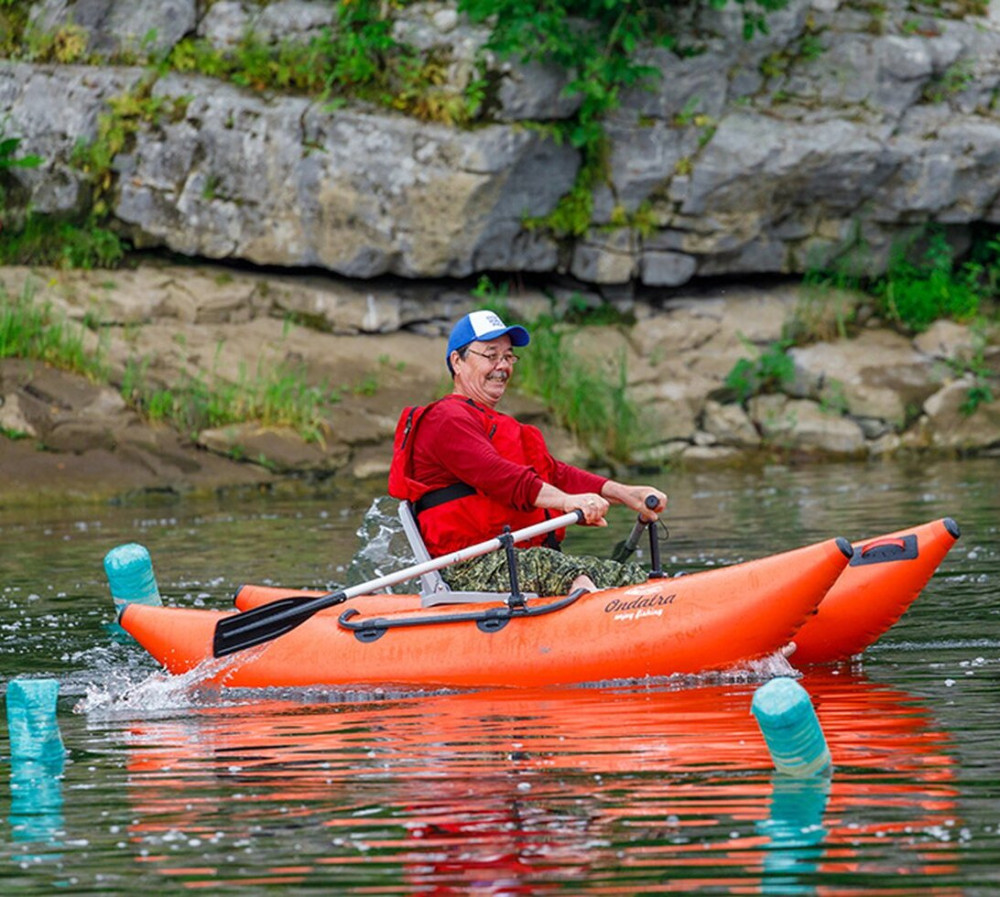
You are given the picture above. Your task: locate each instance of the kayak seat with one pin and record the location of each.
(433, 589)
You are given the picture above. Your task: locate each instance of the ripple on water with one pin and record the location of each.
(627, 787)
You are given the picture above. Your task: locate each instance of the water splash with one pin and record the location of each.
(119, 694)
(384, 546)
(770, 667)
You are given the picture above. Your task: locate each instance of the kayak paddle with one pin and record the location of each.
(262, 624)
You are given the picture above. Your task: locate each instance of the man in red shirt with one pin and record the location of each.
(469, 470)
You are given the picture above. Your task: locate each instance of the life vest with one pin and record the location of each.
(457, 515)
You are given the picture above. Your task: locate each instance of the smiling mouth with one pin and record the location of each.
(502, 376)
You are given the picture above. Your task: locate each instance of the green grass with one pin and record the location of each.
(13, 435)
(592, 406)
(280, 397)
(358, 58)
(771, 371)
(10, 155)
(62, 244)
(918, 292)
(32, 331)
(924, 281)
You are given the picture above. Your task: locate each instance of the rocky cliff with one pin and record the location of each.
(847, 123)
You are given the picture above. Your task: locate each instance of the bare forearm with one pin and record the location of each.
(634, 497)
(594, 507)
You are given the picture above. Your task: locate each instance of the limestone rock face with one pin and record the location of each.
(774, 155)
(953, 423)
(287, 183)
(838, 133)
(878, 375)
(112, 26)
(803, 425)
(730, 425)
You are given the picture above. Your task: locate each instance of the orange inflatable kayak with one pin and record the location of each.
(710, 620)
(832, 599)
(881, 581)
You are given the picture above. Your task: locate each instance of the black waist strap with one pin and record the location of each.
(439, 496)
(460, 490)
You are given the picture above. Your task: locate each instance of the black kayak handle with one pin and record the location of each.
(640, 524)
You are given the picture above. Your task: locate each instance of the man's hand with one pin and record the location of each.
(634, 497)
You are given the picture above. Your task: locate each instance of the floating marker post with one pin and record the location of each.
(37, 757)
(788, 721)
(31, 720)
(130, 574)
(800, 787)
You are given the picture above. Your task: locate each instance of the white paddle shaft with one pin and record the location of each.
(463, 554)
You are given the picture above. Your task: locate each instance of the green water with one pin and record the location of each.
(662, 787)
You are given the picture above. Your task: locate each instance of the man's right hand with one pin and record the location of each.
(594, 507)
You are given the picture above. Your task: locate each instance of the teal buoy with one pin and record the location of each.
(31, 720)
(37, 759)
(130, 574)
(788, 721)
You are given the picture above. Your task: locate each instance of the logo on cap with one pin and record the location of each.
(485, 322)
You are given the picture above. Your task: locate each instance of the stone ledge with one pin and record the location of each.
(845, 401)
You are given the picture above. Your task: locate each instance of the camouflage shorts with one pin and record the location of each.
(539, 570)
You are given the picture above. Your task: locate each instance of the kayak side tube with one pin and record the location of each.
(711, 620)
(884, 578)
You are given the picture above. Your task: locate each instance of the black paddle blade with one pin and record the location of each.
(267, 622)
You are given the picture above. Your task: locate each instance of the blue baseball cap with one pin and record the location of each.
(483, 326)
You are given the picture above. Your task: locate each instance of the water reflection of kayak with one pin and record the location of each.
(629, 728)
(446, 788)
(710, 620)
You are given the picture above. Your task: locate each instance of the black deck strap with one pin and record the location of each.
(439, 496)
(494, 618)
(408, 426)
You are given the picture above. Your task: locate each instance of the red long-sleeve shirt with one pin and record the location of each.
(450, 446)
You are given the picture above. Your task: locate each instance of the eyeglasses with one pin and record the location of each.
(494, 359)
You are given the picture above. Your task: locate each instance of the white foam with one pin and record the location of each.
(158, 693)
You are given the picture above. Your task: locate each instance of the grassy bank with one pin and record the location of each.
(588, 399)
(276, 396)
(924, 282)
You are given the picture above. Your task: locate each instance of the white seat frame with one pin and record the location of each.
(433, 589)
